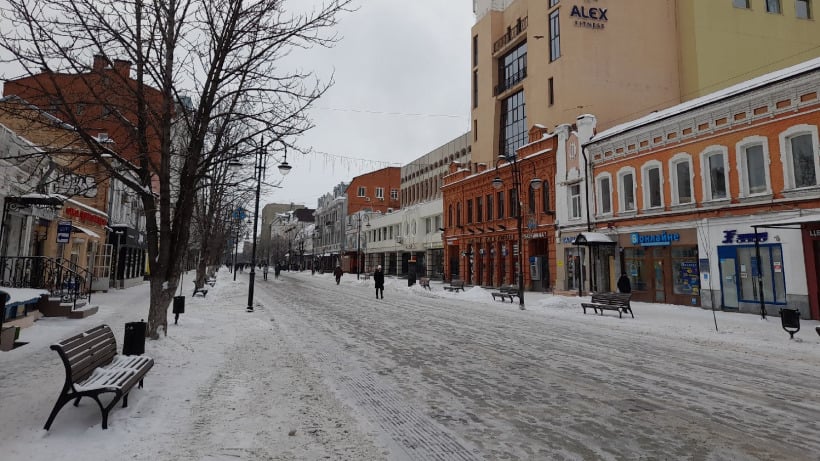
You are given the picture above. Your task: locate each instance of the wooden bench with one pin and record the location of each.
(610, 301)
(202, 290)
(508, 291)
(424, 282)
(93, 367)
(455, 285)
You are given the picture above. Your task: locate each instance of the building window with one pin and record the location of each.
(380, 192)
(475, 50)
(714, 173)
(575, 201)
(555, 37)
(680, 175)
(479, 209)
(394, 194)
(500, 204)
(489, 207)
(475, 89)
(513, 124)
(531, 200)
(475, 130)
(362, 191)
(753, 164)
(801, 152)
(514, 203)
(803, 9)
(470, 211)
(450, 215)
(604, 190)
(626, 190)
(550, 92)
(553, 3)
(773, 6)
(458, 214)
(652, 185)
(545, 197)
(512, 68)
(740, 3)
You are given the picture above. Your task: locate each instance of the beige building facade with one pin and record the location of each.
(549, 61)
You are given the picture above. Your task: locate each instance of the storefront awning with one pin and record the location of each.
(592, 239)
(791, 223)
(85, 231)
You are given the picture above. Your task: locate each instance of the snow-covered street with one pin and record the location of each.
(321, 371)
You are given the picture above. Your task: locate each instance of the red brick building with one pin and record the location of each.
(481, 224)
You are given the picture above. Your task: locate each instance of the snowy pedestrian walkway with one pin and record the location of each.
(321, 371)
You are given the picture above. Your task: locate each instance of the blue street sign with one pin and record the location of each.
(239, 213)
(63, 231)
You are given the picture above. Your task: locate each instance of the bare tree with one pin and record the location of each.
(200, 67)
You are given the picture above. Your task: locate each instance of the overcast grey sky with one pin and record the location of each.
(402, 76)
(402, 88)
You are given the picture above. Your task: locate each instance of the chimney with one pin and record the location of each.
(100, 62)
(123, 67)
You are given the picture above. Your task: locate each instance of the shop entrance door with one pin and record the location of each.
(660, 292)
(728, 283)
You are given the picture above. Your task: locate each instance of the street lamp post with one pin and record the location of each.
(259, 168)
(535, 184)
(359, 218)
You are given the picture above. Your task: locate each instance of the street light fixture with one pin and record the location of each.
(259, 169)
(535, 183)
(359, 218)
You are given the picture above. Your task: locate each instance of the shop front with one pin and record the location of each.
(128, 262)
(662, 266)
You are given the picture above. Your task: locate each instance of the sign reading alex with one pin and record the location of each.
(589, 17)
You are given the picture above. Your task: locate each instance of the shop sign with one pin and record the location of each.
(63, 231)
(814, 233)
(86, 216)
(567, 240)
(731, 236)
(536, 235)
(590, 18)
(654, 240)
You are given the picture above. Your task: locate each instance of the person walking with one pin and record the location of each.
(624, 285)
(276, 269)
(265, 271)
(378, 277)
(338, 273)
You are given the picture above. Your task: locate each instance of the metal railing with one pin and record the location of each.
(59, 277)
(511, 33)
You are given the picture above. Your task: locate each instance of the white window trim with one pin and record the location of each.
(580, 202)
(380, 192)
(645, 184)
(786, 157)
(361, 191)
(599, 194)
(740, 150)
(621, 204)
(681, 157)
(705, 175)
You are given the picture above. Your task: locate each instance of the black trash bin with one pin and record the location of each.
(790, 320)
(179, 307)
(134, 341)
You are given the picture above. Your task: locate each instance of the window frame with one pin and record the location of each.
(706, 172)
(554, 22)
(545, 197)
(676, 160)
(742, 7)
(808, 13)
(646, 188)
(380, 192)
(572, 198)
(774, 7)
(599, 194)
(394, 194)
(741, 148)
(361, 191)
(785, 137)
(622, 205)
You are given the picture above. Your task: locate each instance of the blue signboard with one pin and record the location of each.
(653, 240)
(63, 231)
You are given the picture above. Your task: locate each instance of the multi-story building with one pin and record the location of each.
(369, 193)
(550, 61)
(421, 179)
(270, 217)
(330, 227)
(716, 201)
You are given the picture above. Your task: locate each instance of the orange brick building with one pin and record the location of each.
(481, 225)
(716, 201)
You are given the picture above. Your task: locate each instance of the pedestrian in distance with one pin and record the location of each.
(378, 277)
(338, 273)
(276, 269)
(624, 285)
(265, 271)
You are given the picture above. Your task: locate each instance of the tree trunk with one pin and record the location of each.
(158, 310)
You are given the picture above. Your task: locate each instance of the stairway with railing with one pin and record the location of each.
(60, 277)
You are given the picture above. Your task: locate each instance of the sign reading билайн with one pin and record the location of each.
(654, 240)
(591, 18)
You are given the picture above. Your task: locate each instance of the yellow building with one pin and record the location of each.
(548, 61)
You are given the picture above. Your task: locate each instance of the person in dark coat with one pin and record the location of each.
(338, 273)
(624, 285)
(378, 277)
